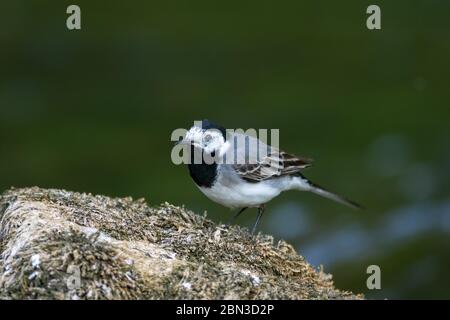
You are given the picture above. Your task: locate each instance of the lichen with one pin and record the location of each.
(125, 249)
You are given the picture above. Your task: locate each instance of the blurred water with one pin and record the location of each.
(289, 221)
(396, 229)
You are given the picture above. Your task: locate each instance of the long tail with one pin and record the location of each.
(314, 188)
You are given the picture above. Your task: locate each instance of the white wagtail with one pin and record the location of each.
(245, 172)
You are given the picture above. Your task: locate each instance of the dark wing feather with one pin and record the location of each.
(275, 164)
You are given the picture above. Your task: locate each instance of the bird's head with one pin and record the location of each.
(205, 135)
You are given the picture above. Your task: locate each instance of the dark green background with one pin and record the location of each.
(93, 110)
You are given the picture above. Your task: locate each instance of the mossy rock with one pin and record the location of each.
(57, 244)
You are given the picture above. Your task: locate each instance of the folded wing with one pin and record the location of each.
(255, 161)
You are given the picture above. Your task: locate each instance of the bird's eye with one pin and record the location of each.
(208, 138)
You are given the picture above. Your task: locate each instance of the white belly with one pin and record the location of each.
(241, 195)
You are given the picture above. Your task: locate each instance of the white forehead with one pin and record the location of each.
(194, 133)
(197, 133)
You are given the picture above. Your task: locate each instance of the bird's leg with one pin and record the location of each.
(233, 219)
(260, 213)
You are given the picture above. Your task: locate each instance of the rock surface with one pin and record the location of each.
(56, 244)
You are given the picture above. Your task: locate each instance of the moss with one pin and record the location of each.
(125, 249)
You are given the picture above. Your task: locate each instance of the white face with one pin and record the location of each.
(210, 140)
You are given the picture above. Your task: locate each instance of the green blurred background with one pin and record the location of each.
(93, 110)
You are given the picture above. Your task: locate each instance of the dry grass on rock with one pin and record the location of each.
(125, 249)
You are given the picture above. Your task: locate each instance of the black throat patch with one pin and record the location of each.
(203, 174)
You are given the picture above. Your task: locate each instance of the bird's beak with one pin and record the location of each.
(181, 142)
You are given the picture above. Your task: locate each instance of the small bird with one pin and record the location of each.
(240, 171)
